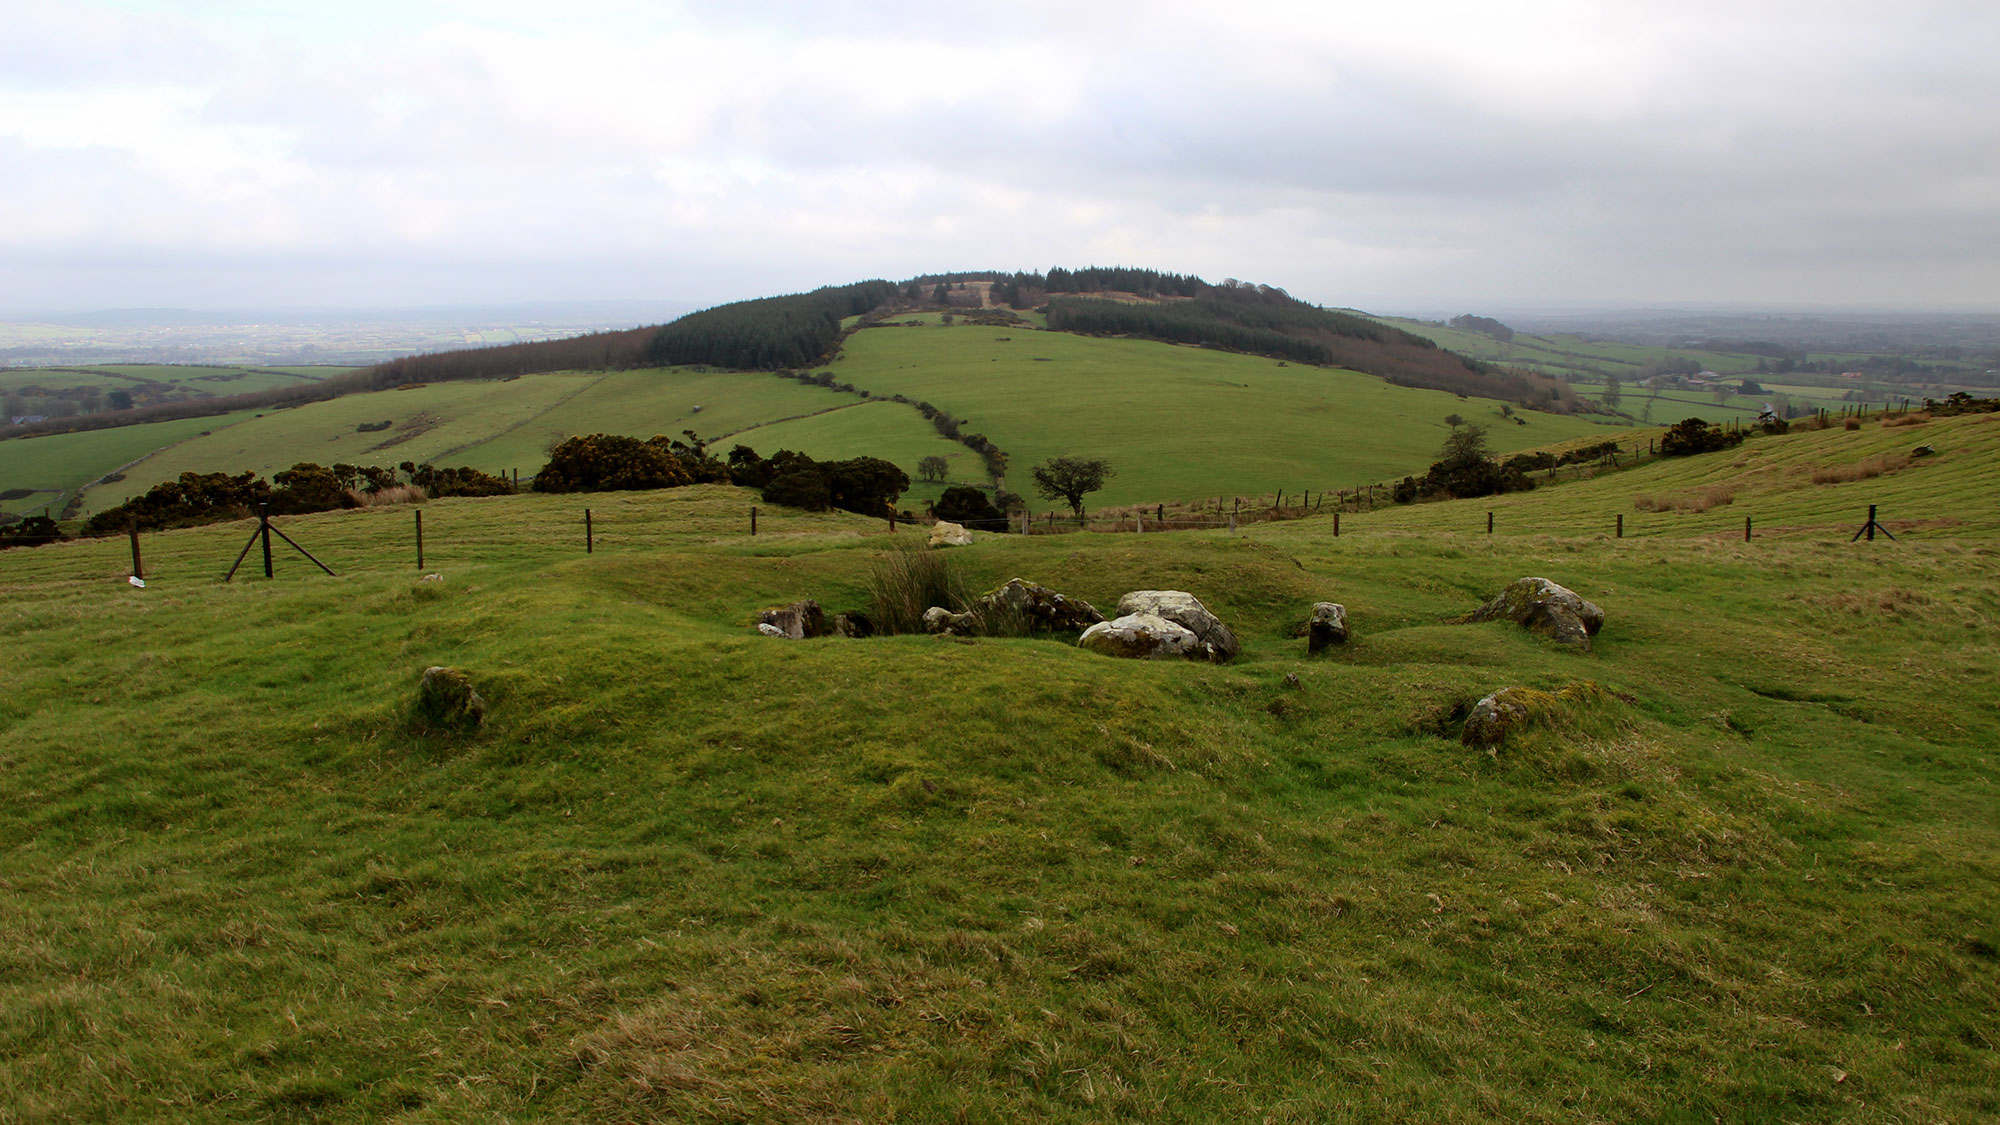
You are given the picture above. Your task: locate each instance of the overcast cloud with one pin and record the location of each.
(1420, 156)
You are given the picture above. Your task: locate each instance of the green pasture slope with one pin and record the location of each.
(205, 379)
(496, 426)
(1175, 422)
(56, 466)
(686, 872)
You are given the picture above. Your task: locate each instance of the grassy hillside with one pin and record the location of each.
(1815, 485)
(1174, 421)
(690, 873)
(55, 467)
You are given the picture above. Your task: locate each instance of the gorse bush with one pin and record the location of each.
(1694, 435)
(618, 463)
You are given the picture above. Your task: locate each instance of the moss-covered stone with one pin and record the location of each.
(446, 702)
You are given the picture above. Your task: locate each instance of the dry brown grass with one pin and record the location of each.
(1852, 424)
(400, 494)
(1693, 500)
(1879, 465)
(1916, 419)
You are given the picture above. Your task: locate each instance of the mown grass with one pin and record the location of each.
(690, 873)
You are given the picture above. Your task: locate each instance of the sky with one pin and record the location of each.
(1421, 156)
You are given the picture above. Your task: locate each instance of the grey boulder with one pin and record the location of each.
(1185, 610)
(1548, 608)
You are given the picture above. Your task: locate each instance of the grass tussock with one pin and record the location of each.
(400, 494)
(1916, 419)
(1882, 464)
(1692, 500)
(905, 582)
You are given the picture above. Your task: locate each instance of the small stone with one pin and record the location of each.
(944, 533)
(939, 621)
(1494, 716)
(770, 630)
(446, 701)
(1327, 626)
(800, 620)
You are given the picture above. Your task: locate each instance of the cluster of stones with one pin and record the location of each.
(1041, 609)
(804, 620)
(1162, 625)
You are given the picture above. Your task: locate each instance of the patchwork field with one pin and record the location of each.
(1175, 422)
(686, 872)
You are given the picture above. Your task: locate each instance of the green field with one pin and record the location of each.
(207, 380)
(57, 465)
(687, 873)
(1175, 422)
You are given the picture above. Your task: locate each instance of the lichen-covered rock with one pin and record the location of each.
(1326, 626)
(447, 702)
(1040, 607)
(851, 624)
(1185, 610)
(770, 630)
(944, 533)
(1144, 636)
(1547, 608)
(940, 621)
(799, 621)
(1493, 717)
(1496, 717)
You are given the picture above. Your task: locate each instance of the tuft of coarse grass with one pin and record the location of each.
(1879, 465)
(906, 581)
(387, 497)
(1693, 500)
(1916, 419)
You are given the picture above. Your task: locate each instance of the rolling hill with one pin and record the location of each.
(686, 872)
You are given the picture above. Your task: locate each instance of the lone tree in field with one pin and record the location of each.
(1070, 479)
(933, 468)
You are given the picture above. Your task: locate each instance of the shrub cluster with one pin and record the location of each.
(962, 503)
(34, 531)
(616, 462)
(1693, 435)
(1542, 459)
(200, 498)
(1959, 402)
(868, 485)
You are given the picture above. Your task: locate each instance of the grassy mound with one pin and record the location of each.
(686, 872)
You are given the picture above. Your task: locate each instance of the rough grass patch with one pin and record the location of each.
(1882, 464)
(1916, 419)
(1692, 500)
(400, 494)
(905, 582)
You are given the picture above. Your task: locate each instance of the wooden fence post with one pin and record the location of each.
(1336, 523)
(264, 530)
(420, 539)
(1489, 523)
(1746, 529)
(753, 519)
(1621, 526)
(138, 569)
(589, 535)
